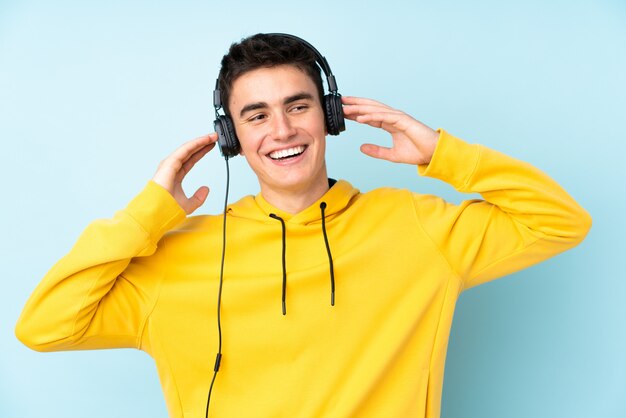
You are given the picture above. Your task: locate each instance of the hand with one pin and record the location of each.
(413, 142)
(173, 169)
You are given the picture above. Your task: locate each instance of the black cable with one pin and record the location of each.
(282, 222)
(330, 256)
(218, 358)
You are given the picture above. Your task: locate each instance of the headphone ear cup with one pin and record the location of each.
(335, 122)
(226, 136)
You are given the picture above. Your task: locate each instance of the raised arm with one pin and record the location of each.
(100, 294)
(525, 217)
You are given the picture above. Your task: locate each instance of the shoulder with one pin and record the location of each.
(385, 200)
(392, 201)
(386, 195)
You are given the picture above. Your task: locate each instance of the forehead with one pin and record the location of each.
(269, 85)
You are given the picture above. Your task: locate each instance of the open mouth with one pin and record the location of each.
(285, 154)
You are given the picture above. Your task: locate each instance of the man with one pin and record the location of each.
(335, 303)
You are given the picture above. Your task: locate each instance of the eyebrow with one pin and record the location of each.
(263, 105)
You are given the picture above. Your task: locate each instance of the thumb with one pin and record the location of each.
(198, 198)
(376, 151)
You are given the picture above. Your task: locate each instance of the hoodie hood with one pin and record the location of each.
(337, 199)
(333, 202)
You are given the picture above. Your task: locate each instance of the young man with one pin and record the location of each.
(335, 303)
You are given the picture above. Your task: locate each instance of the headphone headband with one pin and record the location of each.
(321, 61)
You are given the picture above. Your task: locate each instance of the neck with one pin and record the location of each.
(295, 201)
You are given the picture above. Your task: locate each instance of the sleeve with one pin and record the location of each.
(525, 217)
(100, 294)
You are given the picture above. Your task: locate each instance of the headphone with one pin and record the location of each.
(333, 111)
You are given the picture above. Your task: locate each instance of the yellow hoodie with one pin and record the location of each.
(399, 261)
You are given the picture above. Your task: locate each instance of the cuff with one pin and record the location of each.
(453, 161)
(155, 210)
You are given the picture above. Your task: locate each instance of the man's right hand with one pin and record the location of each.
(173, 169)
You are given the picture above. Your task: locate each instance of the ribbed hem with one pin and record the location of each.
(155, 210)
(453, 161)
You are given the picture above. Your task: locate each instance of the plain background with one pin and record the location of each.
(94, 95)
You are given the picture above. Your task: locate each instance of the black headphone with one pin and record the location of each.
(333, 111)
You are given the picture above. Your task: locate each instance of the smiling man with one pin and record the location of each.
(335, 303)
(279, 118)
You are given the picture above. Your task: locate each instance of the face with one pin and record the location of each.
(280, 124)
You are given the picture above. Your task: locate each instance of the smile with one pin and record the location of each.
(284, 154)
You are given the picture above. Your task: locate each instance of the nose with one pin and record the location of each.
(283, 128)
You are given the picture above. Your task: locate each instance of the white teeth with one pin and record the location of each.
(284, 153)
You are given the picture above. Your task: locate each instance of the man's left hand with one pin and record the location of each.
(413, 142)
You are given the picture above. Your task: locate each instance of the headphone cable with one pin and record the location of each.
(218, 358)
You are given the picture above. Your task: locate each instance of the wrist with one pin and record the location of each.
(429, 145)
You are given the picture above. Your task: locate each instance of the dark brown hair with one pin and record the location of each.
(265, 51)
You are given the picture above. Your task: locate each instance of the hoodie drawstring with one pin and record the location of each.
(330, 256)
(282, 222)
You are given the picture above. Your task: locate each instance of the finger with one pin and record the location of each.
(391, 122)
(351, 100)
(377, 151)
(169, 169)
(353, 111)
(195, 201)
(185, 151)
(193, 159)
(174, 162)
(368, 107)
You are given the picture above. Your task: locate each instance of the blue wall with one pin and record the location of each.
(92, 97)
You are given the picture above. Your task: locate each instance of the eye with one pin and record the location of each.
(257, 118)
(299, 108)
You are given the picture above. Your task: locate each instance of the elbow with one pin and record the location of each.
(580, 225)
(570, 227)
(25, 335)
(32, 336)
(587, 221)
